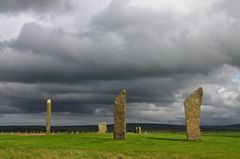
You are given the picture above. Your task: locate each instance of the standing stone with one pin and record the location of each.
(102, 128)
(136, 130)
(48, 117)
(120, 116)
(192, 106)
(139, 130)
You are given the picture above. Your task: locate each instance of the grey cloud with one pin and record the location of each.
(230, 8)
(165, 36)
(16, 6)
(51, 53)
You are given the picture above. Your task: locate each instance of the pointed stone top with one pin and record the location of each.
(123, 91)
(198, 91)
(49, 101)
(121, 97)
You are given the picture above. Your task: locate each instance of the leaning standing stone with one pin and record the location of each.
(120, 116)
(102, 128)
(192, 106)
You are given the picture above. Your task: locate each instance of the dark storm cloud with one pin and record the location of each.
(160, 57)
(16, 6)
(56, 56)
(88, 96)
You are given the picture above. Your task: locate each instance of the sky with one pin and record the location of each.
(81, 53)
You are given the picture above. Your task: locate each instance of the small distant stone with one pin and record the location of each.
(136, 130)
(102, 128)
(139, 130)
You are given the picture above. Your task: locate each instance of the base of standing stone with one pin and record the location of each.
(193, 139)
(119, 137)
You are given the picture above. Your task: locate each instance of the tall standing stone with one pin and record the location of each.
(48, 116)
(120, 116)
(102, 128)
(192, 105)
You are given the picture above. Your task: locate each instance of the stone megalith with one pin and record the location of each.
(102, 127)
(139, 130)
(136, 130)
(48, 117)
(192, 105)
(120, 116)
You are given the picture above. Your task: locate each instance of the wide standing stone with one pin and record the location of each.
(48, 116)
(192, 105)
(120, 116)
(102, 128)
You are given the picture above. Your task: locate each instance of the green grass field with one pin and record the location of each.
(141, 146)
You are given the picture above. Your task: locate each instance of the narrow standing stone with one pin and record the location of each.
(136, 130)
(192, 105)
(48, 117)
(120, 116)
(102, 128)
(139, 130)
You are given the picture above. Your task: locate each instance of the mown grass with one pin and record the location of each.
(141, 146)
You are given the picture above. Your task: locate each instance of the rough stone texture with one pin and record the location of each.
(120, 116)
(192, 106)
(48, 116)
(102, 128)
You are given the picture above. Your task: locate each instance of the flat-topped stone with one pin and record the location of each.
(102, 127)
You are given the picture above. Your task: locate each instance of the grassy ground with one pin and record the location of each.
(141, 146)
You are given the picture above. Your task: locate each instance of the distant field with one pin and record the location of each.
(142, 146)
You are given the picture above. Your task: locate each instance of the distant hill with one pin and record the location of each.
(130, 127)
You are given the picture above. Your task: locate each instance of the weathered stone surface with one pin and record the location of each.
(120, 116)
(48, 116)
(192, 105)
(102, 128)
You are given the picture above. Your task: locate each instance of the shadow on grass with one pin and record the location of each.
(220, 135)
(167, 139)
